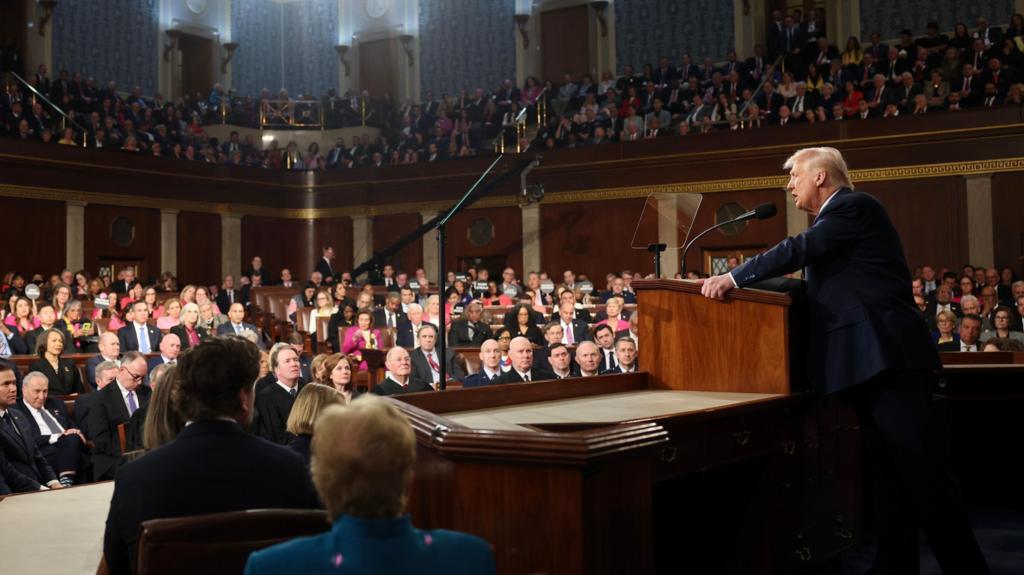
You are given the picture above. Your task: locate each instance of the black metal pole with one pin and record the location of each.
(441, 344)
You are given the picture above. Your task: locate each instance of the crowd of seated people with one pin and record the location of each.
(800, 75)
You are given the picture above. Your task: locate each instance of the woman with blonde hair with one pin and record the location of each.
(363, 456)
(172, 315)
(163, 421)
(316, 369)
(313, 398)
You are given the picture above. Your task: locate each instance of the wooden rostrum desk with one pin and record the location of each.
(705, 462)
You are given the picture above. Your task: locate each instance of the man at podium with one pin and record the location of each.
(868, 343)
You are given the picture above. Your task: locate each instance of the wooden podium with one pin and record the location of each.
(742, 344)
(606, 474)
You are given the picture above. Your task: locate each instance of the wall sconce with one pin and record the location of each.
(48, 6)
(230, 48)
(521, 20)
(406, 40)
(173, 36)
(599, 8)
(342, 51)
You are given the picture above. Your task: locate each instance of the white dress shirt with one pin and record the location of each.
(41, 424)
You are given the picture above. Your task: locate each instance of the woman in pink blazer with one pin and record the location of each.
(361, 336)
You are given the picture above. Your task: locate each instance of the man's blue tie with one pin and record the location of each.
(143, 340)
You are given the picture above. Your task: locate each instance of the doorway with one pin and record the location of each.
(197, 55)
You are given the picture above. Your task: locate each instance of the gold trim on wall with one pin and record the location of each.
(620, 193)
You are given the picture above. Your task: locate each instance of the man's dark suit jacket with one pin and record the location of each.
(130, 340)
(56, 409)
(325, 269)
(478, 379)
(83, 405)
(579, 331)
(606, 362)
(862, 316)
(392, 387)
(152, 364)
(381, 321)
(459, 334)
(536, 374)
(121, 287)
(224, 302)
(405, 336)
(212, 466)
(613, 370)
(229, 328)
(179, 330)
(66, 382)
(273, 404)
(421, 371)
(16, 343)
(20, 450)
(955, 345)
(105, 414)
(12, 480)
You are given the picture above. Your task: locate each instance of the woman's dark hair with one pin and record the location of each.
(512, 317)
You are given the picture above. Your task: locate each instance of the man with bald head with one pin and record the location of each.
(110, 350)
(170, 349)
(490, 366)
(588, 357)
(398, 380)
(521, 352)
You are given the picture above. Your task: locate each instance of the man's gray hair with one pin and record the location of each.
(34, 375)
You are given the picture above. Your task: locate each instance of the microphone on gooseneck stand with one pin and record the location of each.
(761, 212)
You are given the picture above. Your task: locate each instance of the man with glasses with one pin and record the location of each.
(116, 404)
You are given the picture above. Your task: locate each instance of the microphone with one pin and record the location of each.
(761, 212)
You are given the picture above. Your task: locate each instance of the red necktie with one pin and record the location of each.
(433, 363)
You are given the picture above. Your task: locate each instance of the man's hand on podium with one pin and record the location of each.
(715, 287)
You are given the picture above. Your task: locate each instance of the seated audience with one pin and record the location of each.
(605, 339)
(171, 316)
(25, 469)
(1002, 318)
(469, 330)
(47, 321)
(213, 465)
(139, 335)
(162, 421)
(170, 349)
(559, 361)
(365, 455)
(310, 402)
(1003, 344)
(625, 356)
(361, 336)
(426, 366)
(50, 428)
(61, 374)
(521, 323)
(189, 332)
(116, 404)
(338, 368)
(946, 329)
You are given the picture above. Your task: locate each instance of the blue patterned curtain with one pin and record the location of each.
(646, 30)
(466, 44)
(888, 18)
(289, 45)
(109, 40)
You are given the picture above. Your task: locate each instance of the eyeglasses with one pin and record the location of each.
(134, 377)
(504, 337)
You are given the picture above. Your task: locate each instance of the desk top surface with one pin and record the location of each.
(604, 409)
(58, 532)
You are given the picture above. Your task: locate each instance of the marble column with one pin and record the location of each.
(429, 247)
(169, 240)
(980, 241)
(231, 244)
(531, 239)
(362, 239)
(75, 235)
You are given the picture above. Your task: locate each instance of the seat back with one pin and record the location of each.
(219, 542)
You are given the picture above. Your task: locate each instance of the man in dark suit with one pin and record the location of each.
(170, 349)
(274, 402)
(115, 404)
(48, 319)
(228, 294)
(213, 465)
(604, 336)
(110, 350)
(138, 335)
(27, 469)
(391, 314)
(127, 282)
(574, 330)
(867, 342)
(426, 367)
(324, 266)
(409, 328)
(469, 330)
(105, 373)
(490, 366)
(941, 302)
(625, 356)
(236, 325)
(559, 361)
(50, 428)
(398, 381)
(521, 352)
